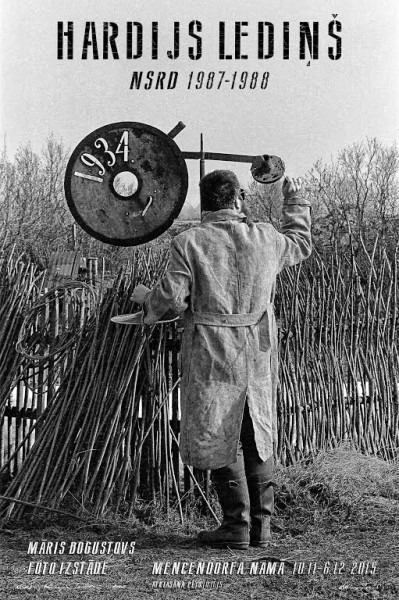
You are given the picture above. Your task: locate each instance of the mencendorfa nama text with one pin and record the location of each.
(355, 567)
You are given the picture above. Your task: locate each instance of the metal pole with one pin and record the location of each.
(176, 130)
(74, 236)
(202, 157)
(202, 163)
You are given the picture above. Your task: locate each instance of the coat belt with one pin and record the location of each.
(228, 320)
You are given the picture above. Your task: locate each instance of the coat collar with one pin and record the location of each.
(226, 214)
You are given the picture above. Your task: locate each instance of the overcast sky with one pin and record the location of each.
(306, 112)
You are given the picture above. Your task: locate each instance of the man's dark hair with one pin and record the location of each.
(218, 190)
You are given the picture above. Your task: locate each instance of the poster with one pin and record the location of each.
(301, 80)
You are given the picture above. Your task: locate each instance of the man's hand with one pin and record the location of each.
(139, 293)
(291, 186)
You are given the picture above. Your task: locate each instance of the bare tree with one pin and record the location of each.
(263, 202)
(357, 193)
(33, 211)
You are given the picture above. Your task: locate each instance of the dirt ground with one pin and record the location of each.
(335, 536)
(352, 560)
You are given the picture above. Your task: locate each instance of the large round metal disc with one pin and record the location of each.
(125, 183)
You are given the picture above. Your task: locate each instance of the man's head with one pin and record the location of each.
(218, 190)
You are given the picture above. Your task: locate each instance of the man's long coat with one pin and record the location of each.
(222, 276)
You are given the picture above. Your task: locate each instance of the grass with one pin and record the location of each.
(338, 511)
(333, 486)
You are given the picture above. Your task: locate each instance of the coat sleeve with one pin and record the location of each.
(294, 242)
(171, 293)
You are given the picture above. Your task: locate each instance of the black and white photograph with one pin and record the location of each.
(199, 300)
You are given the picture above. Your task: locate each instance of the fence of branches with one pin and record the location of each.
(90, 410)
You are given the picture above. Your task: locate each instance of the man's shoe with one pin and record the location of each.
(260, 533)
(227, 535)
(261, 494)
(232, 490)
